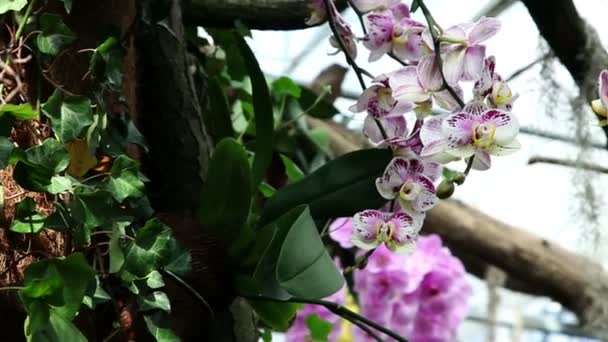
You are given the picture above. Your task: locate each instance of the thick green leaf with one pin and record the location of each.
(341, 187)
(234, 60)
(70, 115)
(155, 280)
(304, 268)
(95, 294)
(55, 34)
(266, 189)
(6, 148)
(61, 184)
(11, 5)
(276, 315)
(226, 199)
(319, 328)
(292, 170)
(218, 118)
(295, 262)
(285, 86)
(124, 181)
(22, 111)
(57, 328)
(158, 325)
(264, 120)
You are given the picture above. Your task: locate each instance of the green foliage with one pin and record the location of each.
(158, 326)
(342, 187)
(37, 166)
(70, 115)
(11, 5)
(124, 181)
(218, 118)
(55, 34)
(295, 262)
(285, 86)
(319, 328)
(276, 315)
(293, 171)
(6, 148)
(22, 111)
(264, 121)
(106, 63)
(315, 105)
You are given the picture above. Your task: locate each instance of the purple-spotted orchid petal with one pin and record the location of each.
(344, 31)
(398, 231)
(600, 106)
(434, 142)
(379, 38)
(395, 128)
(484, 29)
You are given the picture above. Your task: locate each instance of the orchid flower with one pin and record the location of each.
(480, 133)
(378, 100)
(464, 56)
(345, 32)
(398, 231)
(434, 142)
(491, 85)
(317, 12)
(600, 106)
(393, 31)
(409, 182)
(422, 84)
(365, 6)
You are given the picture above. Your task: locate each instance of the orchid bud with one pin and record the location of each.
(445, 189)
(501, 93)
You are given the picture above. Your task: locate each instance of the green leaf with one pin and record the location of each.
(55, 34)
(295, 262)
(70, 115)
(57, 328)
(30, 225)
(59, 282)
(218, 117)
(266, 189)
(304, 268)
(124, 181)
(37, 165)
(68, 5)
(154, 247)
(95, 294)
(315, 105)
(285, 86)
(153, 301)
(158, 325)
(415, 6)
(23, 111)
(226, 199)
(6, 148)
(106, 63)
(61, 184)
(277, 315)
(227, 40)
(267, 335)
(319, 328)
(117, 256)
(155, 280)
(264, 120)
(293, 171)
(341, 187)
(11, 5)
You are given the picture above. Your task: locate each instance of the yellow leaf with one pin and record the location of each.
(81, 161)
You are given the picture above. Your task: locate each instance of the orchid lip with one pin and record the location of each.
(483, 134)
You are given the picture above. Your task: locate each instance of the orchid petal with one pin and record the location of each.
(481, 160)
(446, 100)
(364, 99)
(364, 228)
(428, 73)
(394, 175)
(405, 234)
(453, 64)
(603, 88)
(507, 125)
(394, 126)
(473, 62)
(484, 29)
(476, 108)
(503, 150)
(400, 11)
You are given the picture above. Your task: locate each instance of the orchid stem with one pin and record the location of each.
(469, 165)
(338, 310)
(437, 46)
(349, 59)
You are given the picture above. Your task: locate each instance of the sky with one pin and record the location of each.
(548, 200)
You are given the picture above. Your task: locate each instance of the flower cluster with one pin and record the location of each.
(422, 295)
(418, 112)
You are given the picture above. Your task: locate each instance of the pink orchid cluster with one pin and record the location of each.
(422, 295)
(435, 61)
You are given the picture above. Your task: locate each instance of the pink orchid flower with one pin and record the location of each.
(410, 182)
(398, 231)
(490, 85)
(423, 83)
(393, 31)
(464, 56)
(480, 133)
(600, 106)
(366, 6)
(345, 32)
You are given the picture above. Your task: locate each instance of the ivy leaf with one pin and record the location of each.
(11, 5)
(57, 328)
(95, 294)
(155, 280)
(264, 120)
(153, 301)
(70, 115)
(92, 209)
(60, 184)
(23, 111)
(55, 34)
(106, 63)
(285, 86)
(124, 181)
(117, 256)
(6, 148)
(37, 165)
(158, 325)
(341, 187)
(226, 199)
(294, 173)
(154, 247)
(319, 328)
(295, 262)
(81, 159)
(30, 225)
